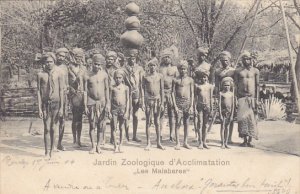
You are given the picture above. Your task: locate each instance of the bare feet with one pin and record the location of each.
(136, 139)
(223, 146)
(226, 146)
(172, 139)
(147, 148)
(159, 146)
(98, 150)
(177, 147)
(61, 148)
(205, 146)
(250, 145)
(200, 146)
(116, 149)
(92, 151)
(230, 142)
(187, 146)
(244, 144)
(81, 145)
(120, 150)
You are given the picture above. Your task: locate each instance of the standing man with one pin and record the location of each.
(77, 74)
(169, 72)
(110, 68)
(247, 87)
(61, 55)
(50, 99)
(133, 76)
(96, 100)
(225, 71)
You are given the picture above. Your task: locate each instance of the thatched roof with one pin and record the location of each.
(278, 57)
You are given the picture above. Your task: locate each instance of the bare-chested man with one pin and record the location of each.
(203, 105)
(119, 95)
(50, 84)
(133, 76)
(110, 68)
(153, 100)
(183, 96)
(77, 74)
(226, 109)
(225, 71)
(169, 72)
(61, 55)
(247, 91)
(96, 99)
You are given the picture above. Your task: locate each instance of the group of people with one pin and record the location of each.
(115, 91)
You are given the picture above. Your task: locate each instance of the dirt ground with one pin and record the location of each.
(271, 167)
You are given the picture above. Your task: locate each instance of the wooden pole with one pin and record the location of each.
(247, 34)
(292, 65)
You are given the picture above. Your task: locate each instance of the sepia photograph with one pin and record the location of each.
(149, 96)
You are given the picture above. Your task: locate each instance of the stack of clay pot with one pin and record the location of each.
(131, 39)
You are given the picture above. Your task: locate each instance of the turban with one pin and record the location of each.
(132, 52)
(166, 53)
(78, 52)
(61, 50)
(99, 59)
(111, 54)
(202, 51)
(183, 63)
(226, 79)
(225, 53)
(121, 55)
(246, 54)
(49, 54)
(153, 61)
(201, 72)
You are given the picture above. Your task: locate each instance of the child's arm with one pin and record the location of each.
(232, 107)
(85, 97)
(211, 97)
(61, 83)
(39, 96)
(173, 95)
(142, 91)
(127, 103)
(220, 107)
(107, 95)
(195, 100)
(162, 92)
(192, 95)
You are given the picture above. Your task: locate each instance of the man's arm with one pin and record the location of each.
(107, 94)
(127, 102)
(211, 97)
(220, 107)
(173, 95)
(39, 96)
(257, 84)
(192, 94)
(85, 90)
(142, 92)
(61, 82)
(195, 100)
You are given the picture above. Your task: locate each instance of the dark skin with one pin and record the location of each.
(96, 87)
(119, 95)
(203, 108)
(50, 101)
(183, 87)
(247, 84)
(77, 77)
(169, 72)
(153, 88)
(226, 107)
(61, 62)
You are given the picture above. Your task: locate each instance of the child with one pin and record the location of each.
(183, 96)
(96, 100)
(119, 95)
(226, 109)
(50, 84)
(203, 106)
(153, 96)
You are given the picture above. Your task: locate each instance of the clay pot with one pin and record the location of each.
(132, 23)
(132, 9)
(132, 39)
